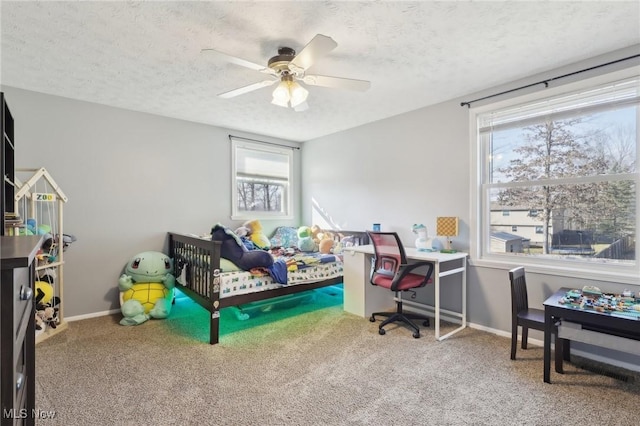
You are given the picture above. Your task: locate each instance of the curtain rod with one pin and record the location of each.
(547, 81)
(264, 142)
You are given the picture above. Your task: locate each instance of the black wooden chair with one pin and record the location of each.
(524, 316)
(391, 271)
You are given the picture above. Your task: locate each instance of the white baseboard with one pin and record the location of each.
(92, 315)
(583, 354)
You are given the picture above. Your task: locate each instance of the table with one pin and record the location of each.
(590, 320)
(362, 298)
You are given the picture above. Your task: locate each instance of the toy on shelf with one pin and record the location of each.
(48, 312)
(146, 288)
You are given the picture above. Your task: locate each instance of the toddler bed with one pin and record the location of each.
(197, 264)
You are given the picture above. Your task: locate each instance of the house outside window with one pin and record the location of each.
(568, 159)
(261, 180)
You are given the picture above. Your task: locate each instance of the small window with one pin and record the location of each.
(533, 213)
(514, 229)
(539, 230)
(261, 181)
(506, 212)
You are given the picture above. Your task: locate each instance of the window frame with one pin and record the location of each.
(480, 233)
(288, 201)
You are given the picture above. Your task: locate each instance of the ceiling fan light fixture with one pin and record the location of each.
(298, 94)
(287, 67)
(281, 94)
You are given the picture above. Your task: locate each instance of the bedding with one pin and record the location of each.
(295, 269)
(201, 274)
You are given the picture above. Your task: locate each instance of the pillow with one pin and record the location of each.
(228, 266)
(285, 236)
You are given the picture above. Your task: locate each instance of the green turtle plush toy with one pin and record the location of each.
(146, 288)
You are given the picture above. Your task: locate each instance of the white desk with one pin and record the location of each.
(362, 298)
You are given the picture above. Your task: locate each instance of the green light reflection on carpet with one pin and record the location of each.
(190, 320)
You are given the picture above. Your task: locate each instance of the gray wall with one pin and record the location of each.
(416, 166)
(130, 177)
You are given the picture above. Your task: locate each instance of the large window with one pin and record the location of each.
(566, 169)
(261, 181)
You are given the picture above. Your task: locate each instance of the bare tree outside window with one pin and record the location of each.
(567, 178)
(261, 179)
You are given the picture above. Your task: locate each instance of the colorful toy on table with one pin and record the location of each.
(146, 288)
(592, 298)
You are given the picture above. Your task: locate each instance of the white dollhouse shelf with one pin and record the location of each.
(31, 192)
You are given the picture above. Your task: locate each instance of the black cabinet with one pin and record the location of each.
(7, 167)
(17, 329)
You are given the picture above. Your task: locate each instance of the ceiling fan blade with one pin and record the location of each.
(319, 46)
(240, 61)
(337, 82)
(247, 89)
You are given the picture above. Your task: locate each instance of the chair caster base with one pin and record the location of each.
(416, 335)
(381, 331)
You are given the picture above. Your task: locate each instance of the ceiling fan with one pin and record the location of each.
(288, 69)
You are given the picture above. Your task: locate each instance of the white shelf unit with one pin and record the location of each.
(30, 200)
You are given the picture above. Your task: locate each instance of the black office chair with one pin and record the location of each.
(390, 270)
(524, 316)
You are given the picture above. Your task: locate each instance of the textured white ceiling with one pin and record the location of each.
(146, 56)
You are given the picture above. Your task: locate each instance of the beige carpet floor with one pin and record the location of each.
(310, 365)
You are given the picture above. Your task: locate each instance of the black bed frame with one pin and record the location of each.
(203, 276)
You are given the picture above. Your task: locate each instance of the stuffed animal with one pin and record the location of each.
(48, 312)
(146, 287)
(243, 231)
(244, 234)
(44, 292)
(316, 233)
(323, 239)
(48, 316)
(133, 313)
(325, 246)
(39, 322)
(234, 250)
(256, 235)
(305, 239)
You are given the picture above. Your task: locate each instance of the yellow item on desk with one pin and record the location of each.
(447, 227)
